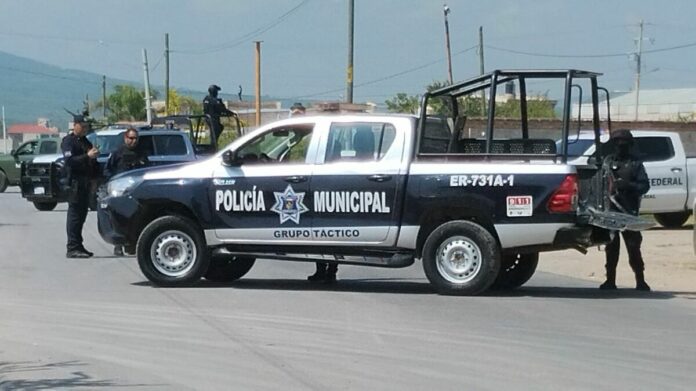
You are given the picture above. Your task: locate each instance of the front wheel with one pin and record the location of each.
(672, 220)
(45, 206)
(461, 258)
(171, 251)
(228, 268)
(516, 270)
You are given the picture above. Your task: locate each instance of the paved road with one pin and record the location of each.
(96, 324)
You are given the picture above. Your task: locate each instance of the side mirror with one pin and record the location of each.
(12, 152)
(230, 159)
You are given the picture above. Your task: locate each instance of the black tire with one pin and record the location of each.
(480, 264)
(45, 206)
(4, 182)
(516, 270)
(672, 220)
(184, 239)
(228, 268)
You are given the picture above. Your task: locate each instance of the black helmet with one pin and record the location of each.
(213, 89)
(621, 134)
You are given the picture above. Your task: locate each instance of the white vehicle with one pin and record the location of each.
(672, 174)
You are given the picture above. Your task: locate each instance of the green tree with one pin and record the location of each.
(183, 104)
(470, 105)
(403, 103)
(126, 103)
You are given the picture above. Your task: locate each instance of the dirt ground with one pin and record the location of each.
(670, 263)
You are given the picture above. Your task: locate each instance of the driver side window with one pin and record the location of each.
(287, 144)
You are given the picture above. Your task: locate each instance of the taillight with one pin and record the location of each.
(565, 198)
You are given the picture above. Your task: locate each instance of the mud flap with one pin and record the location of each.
(616, 221)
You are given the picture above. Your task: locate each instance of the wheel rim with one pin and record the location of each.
(173, 253)
(458, 259)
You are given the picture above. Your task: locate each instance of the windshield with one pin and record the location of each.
(106, 144)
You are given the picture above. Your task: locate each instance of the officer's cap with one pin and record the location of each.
(297, 106)
(621, 134)
(214, 87)
(79, 119)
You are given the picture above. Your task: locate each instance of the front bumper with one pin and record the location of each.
(119, 220)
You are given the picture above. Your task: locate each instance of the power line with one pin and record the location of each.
(246, 37)
(607, 55)
(393, 75)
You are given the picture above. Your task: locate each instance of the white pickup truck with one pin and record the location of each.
(672, 174)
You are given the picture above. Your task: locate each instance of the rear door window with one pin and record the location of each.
(170, 145)
(653, 149)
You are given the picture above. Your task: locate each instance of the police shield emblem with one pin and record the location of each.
(289, 205)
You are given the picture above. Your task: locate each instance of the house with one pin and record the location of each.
(675, 104)
(19, 133)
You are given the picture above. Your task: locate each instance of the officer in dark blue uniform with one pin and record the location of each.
(80, 169)
(127, 157)
(215, 108)
(630, 182)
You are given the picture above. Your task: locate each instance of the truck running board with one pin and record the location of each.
(394, 261)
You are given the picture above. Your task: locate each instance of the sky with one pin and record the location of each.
(399, 44)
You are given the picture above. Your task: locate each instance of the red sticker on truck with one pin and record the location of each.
(519, 206)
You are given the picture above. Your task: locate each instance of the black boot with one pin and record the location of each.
(610, 283)
(320, 274)
(331, 271)
(641, 285)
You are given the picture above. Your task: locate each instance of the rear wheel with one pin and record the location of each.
(461, 258)
(171, 251)
(672, 220)
(4, 182)
(45, 206)
(516, 270)
(228, 268)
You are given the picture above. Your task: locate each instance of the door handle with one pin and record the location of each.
(676, 169)
(296, 179)
(379, 177)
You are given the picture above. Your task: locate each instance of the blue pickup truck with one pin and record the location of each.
(40, 181)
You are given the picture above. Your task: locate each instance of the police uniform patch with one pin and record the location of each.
(289, 205)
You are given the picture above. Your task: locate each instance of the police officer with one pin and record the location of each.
(127, 157)
(215, 108)
(80, 169)
(630, 182)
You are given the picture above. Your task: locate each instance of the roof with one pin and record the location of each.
(657, 97)
(30, 129)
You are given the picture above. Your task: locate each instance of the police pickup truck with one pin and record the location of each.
(671, 172)
(373, 190)
(40, 181)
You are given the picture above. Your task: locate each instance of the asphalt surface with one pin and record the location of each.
(97, 324)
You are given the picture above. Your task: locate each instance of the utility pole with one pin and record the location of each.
(639, 54)
(4, 130)
(148, 101)
(258, 83)
(166, 74)
(351, 30)
(481, 70)
(446, 11)
(104, 96)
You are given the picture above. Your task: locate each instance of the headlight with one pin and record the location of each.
(120, 186)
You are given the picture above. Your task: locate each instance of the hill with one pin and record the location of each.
(31, 89)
